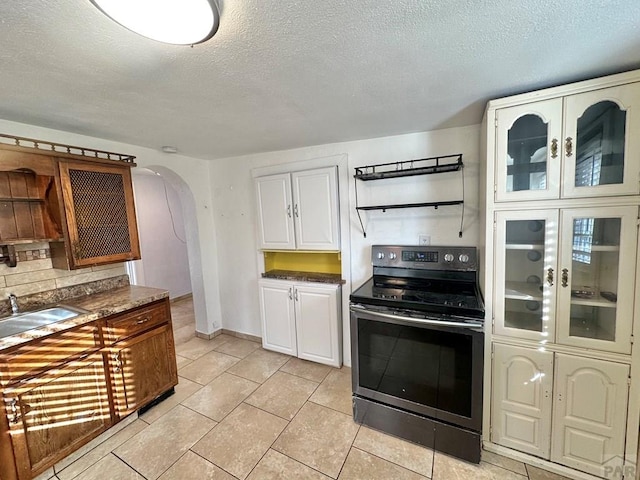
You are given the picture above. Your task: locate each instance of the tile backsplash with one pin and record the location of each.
(34, 272)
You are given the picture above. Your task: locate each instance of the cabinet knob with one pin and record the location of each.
(565, 277)
(289, 211)
(568, 146)
(554, 148)
(295, 211)
(550, 277)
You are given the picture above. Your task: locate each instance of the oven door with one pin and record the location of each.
(426, 366)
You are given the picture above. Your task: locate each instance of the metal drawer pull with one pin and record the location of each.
(568, 146)
(15, 418)
(144, 320)
(550, 277)
(290, 294)
(295, 290)
(295, 210)
(289, 211)
(565, 277)
(118, 362)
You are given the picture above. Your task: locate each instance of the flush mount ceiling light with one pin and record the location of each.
(180, 22)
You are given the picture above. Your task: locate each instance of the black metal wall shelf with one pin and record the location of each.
(409, 168)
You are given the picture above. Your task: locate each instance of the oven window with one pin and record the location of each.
(426, 366)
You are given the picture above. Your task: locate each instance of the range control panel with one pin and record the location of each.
(428, 258)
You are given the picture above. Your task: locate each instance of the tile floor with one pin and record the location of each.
(241, 412)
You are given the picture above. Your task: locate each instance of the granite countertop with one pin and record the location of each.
(96, 305)
(295, 276)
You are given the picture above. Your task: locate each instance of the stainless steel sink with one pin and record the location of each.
(23, 322)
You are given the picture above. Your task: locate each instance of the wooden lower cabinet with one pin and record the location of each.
(141, 368)
(565, 408)
(53, 414)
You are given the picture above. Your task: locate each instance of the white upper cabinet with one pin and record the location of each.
(576, 146)
(299, 210)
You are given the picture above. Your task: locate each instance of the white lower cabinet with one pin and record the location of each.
(302, 319)
(564, 408)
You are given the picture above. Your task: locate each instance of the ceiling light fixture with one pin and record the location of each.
(180, 22)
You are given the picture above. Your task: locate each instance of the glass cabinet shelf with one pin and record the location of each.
(522, 291)
(523, 246)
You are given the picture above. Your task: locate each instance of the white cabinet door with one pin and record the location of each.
(275, 212)
(528, 151)
(522, 399)
(525, 274)
(601, 146)
(596, 277)
(315, 207)
(590, 412)
(317, 327)
(278, 316)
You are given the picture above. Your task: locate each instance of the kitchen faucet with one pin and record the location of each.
(14, 303)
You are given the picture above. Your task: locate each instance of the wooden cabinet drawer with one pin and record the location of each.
(48, 352)
(135, 321)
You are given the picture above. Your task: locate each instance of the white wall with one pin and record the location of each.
(195, 173)
(163, 245)
(235, 211)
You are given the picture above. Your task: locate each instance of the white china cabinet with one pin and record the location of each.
(560, 280)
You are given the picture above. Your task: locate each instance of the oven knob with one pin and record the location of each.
(448, 257)
(392, 256)
(380, 255)
(464, 258)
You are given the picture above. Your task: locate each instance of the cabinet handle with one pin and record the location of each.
(289, 211)
(565, 277)
(15, 414)
(118, 362)
(144, 320)
(295, 291)
(568, 146)
(295, 211)
(290, 294)
(554, 148)
(550, 277)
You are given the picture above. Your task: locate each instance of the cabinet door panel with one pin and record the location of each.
(317, 329)
(590, 412)
(521, 399)
(275, 212)
(278, 317)
(100, 213)
(601, 147)
(142, 368)
(597, 271)
(526, 274)
(58, 414)
(315, 198)
(528, 151)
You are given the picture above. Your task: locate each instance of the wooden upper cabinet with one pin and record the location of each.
(99, 215)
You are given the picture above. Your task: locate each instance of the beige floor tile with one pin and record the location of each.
(540, 474)
(282, 394)
(259, 365)
(156, 448)
(237, 347)
(194, 467)
(504, 462)
(238, 443)
(315, 372)
(68, 471)
(182, 335)
(182, 361)
(109, 467)
(449, 468)
(197, 347)
(335, 391)
(207, 367)
(275, 466)
(406, 454)
(183, 390)
(218, 398)
(361, 465)
(318, 437)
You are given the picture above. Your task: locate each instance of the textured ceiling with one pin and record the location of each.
(285, 74)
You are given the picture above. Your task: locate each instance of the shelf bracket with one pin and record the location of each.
(8, 256)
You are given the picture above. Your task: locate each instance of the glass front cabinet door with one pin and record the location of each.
(576, 146)
(596, 277)
(525, 280)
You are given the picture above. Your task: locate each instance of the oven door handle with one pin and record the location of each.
(424, 321)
